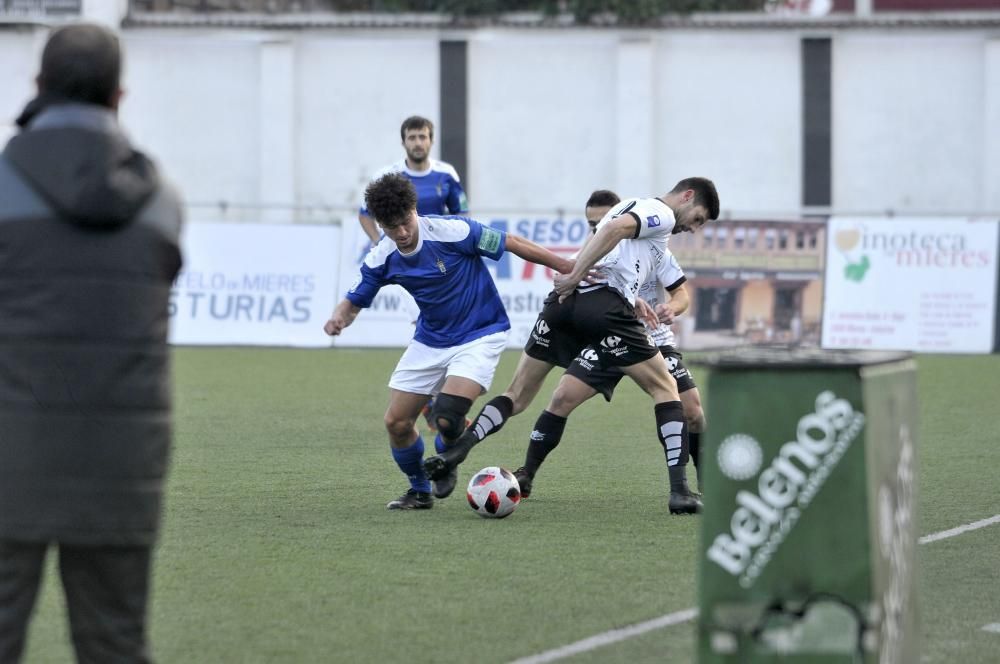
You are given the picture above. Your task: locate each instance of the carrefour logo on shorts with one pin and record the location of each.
(611, 342)
(542, 327)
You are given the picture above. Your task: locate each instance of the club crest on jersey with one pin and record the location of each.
(441, 266)
(653, 221)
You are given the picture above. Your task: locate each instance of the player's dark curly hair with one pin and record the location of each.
(603, 198)
(390, 199)
(704, 194)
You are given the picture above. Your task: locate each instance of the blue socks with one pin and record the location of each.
(410, 461)
(439, 443)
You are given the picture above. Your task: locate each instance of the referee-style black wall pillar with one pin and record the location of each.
(453, 132)
(817, 154)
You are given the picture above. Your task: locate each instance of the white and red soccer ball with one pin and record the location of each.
(494, 492)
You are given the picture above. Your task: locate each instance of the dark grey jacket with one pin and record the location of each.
(89, 249)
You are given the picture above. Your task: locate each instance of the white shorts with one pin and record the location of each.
(423, 370)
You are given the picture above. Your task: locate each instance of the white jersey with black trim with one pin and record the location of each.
(636, 260)
(668, 276)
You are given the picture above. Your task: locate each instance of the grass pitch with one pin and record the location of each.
(277, 546)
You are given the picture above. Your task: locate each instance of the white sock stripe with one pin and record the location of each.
(668, 429)
(673, 443)
(492, 413)
(673, 454)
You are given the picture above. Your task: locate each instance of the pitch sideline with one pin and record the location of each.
(687, 615)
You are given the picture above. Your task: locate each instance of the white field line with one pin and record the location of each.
(945, 534)
(687, 615)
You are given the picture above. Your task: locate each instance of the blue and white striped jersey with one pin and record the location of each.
(446, 276)
(438, 188)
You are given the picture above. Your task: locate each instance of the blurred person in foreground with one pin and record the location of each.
(462, 328)
(88, 252)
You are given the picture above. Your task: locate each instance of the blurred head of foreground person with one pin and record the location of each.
(88, 251)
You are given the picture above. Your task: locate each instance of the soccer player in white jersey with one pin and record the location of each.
(462, 328)
(585, 378)
(628, 248)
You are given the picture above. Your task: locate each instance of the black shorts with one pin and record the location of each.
(606, 380)
(600, 318)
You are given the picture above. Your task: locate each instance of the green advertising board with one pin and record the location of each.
(808, 537)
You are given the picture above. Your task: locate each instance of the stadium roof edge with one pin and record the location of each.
(739, 21)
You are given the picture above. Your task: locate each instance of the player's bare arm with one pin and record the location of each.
(679, 302)
(613, 232)
(342, 316)
(370, 227)
(529, 251)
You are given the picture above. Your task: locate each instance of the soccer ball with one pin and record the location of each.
(493, 492)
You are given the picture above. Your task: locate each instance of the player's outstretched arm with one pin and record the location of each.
(343, 315)
(613, 232)
(529, 251)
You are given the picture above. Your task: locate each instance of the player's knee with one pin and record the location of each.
(695, 417)
(449, 414)
(398, 427)
(563, 402)
(519, 400)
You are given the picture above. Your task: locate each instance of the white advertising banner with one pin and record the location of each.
(925, 285)
(522, 286)
(255, 284)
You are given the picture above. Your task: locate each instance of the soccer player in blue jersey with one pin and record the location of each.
(462, 328)
(439, 190)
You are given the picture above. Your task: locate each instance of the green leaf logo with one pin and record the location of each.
(857, 271)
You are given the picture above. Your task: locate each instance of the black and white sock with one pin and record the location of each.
(545, 437)
(671, 428)
(492, 417)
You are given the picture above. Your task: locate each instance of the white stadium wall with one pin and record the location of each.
(729, 107)
(304, 117)
(285, 126)
(909, 122)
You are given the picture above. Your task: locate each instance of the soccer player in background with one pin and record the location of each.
(629, 248)
(462, 328)
(439, 190)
